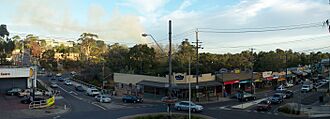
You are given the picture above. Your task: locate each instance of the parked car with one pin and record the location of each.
(92, 92)
(54, 85)
(288, 94)
(277, 98)
(28, 99)
(73, 73)
(280, 88)
(264, 105)
(60, 79)
(184, 105)
(247, 97)
(132, 99)
(79, 88)
(288, 85)
(27, 92)
(67, 82)
(59, 75)
(306, 88)
(13, 91)
(103, 98)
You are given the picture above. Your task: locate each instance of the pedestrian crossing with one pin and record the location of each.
(228, 108)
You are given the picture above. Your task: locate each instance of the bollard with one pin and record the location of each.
(64, 107)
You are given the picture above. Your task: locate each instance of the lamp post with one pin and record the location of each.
(145, 35)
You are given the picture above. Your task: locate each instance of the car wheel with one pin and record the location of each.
(193, 110)
(134, 101)
(254, 98)
(178, 108)
(12, 94)
(246, 99)
(124, 101)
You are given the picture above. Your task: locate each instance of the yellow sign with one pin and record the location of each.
(31, 72)
(237, 71)
(51, 101)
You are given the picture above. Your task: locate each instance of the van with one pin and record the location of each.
(306, 88)
(92, 92)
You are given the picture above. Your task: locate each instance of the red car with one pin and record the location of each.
(264, 105)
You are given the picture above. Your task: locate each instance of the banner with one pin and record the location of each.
(51, 101)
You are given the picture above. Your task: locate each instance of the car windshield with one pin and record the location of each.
(305, 86)
(94, 90)
(264, 102)
(276, 95)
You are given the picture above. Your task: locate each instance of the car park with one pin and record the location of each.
(131, 99)
(13, 91)
(103, 98)
(277, 98)
(264, 105)
(28, 99)
(184, 105)
(92, 91)
(68, 82)
(79, 88)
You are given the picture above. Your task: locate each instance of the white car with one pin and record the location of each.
(288, 85)
(92, 92)
(184, 105)
(59, 75)
(67, 82)
(27, 92)
(103, 98)
(54, 85)
(280, 88)
(305, 88)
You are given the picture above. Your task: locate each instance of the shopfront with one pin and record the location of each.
(15, 77)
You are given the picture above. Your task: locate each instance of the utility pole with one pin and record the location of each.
(189, 114)
(170, 67)
(286, 66)
(252, 63)
(197, 63)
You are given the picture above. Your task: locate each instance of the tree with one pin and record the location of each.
(141, 58)
(87, 43)
(117, 58)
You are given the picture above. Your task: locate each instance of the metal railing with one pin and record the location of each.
(38, 104)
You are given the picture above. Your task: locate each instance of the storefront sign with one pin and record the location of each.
(14, 72)
(267, 74)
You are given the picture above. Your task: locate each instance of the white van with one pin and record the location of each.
(92, 91)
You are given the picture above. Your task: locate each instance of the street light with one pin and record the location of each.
(145, 35)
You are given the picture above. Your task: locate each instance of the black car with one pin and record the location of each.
(288, 94)
(80, 89)
(264, 105)
(14, 91)
(132, 99)
(246, 97)
(60, 79)
(28, 100)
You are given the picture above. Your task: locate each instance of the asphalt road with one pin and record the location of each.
(85, 107)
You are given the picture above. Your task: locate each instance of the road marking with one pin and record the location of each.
(255, 111)
(56, 117)
(269, 113)
(73, 92)
(275, 113)
(79, 98)
(95, 103)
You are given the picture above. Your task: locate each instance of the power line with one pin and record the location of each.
(267, 44)
(267, 27)
(258, 31)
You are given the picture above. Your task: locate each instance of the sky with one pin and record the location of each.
(124, 21)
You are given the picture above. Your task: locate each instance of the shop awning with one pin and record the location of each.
(231, 82)
(281, 79)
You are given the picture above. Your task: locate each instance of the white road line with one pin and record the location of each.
(79, 98)
(94, 103)
(56, 117)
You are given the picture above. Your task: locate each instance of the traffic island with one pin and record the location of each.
(165, 116)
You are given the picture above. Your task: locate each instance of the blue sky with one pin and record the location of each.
(123, 21)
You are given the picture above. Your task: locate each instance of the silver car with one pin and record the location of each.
(103, 98)
(184, 105)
